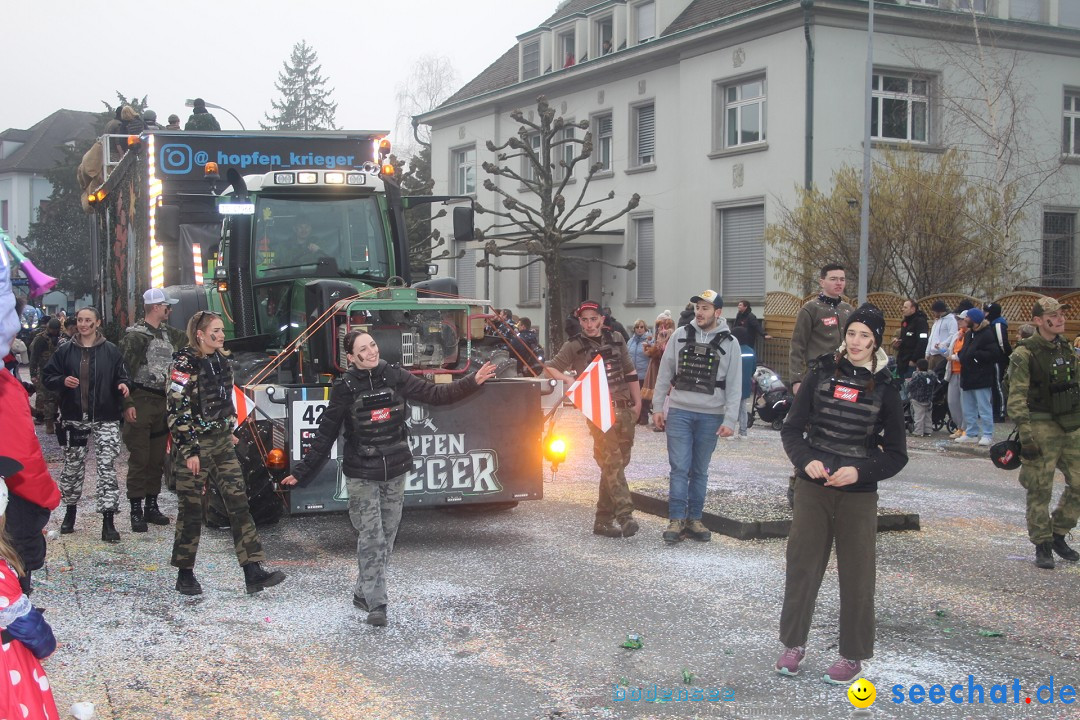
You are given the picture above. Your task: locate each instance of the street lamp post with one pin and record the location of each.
(864, 220)
(191, 103)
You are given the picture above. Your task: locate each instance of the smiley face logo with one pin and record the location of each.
(862, 693)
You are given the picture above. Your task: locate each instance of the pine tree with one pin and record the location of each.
(305, 101)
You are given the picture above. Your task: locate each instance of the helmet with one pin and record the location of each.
(1006, 454)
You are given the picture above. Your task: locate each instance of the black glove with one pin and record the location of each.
(29, 387)
(1028, 449)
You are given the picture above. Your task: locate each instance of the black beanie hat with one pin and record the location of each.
(870, 316)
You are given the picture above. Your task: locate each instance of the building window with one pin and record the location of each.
(743, 112)
(1070, 138)
(568, 150)
(605, 37)
(645, 21)
(465, 270)
(1059, 244)
(565, 45)
(1069, 14)
(530, 282)
(901, 108)
(742, 251)
(1033, 10)
(642, 251)
(978, 6)
(528, 169)
(602, 141)
(928, 3)
(644, 124)
(463, 170)
(530, 60)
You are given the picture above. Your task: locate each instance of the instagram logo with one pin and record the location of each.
(175, 159)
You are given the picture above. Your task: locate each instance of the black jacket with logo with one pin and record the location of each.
(106, 371)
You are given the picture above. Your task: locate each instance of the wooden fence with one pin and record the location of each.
(781, 309)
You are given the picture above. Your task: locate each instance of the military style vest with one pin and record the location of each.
(699, 362)
(215, 388)
(608, 352)
(375, 421)
(846, 413)
(1054, 386)
(154, 373)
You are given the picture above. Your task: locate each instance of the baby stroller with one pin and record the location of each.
(770, 400)
(939, 405)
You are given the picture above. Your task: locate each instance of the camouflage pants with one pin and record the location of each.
(375, 512)
(218, 464)
(1056, 448)
(612, 453)
(146, 439)
(106, 439)
(44, 401)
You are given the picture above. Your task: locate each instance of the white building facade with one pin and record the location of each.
(713, 112)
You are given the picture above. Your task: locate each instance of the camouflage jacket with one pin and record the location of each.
(184, 405)
(42, 348)
(202, 121)
(135, 342)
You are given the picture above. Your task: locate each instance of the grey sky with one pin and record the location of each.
(69, 54)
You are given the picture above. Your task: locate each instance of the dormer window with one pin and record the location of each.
(977, 6)
(566, 49)
(604, 37)
(645, 21)
(530, 59)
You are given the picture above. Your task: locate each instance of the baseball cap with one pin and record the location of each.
(1047, 305)
(587, 305)
(157, 296)
(709, 296)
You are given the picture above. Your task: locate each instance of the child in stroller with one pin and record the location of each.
(771, 399)
(939, 405)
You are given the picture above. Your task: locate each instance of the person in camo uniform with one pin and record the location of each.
(90, 378)
(148, 348)
(611, 449)
(1044, 401)
(201, 418)
(41, 350)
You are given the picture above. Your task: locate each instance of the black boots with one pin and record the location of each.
(1044, 555)
(1063, 550)
(68, 525)
(256, 578)
(138, 522)
(186, 584)
(108, 530)
(152, 513)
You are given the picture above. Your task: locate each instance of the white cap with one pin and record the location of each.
(157, 296)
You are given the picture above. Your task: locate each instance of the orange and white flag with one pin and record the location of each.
(591, 396)
(241, 403)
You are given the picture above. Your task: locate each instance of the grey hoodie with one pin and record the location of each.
(722, 402)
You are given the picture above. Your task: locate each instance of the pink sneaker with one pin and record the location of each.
(843, 672)
(790, 659)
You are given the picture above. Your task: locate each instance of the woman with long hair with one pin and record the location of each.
(91, 380)
(654, 351)
(201, 418)
(368, 405)
(844, 433)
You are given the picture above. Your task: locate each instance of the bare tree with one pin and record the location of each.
(986, 113)
(535, 225)
(432, 80)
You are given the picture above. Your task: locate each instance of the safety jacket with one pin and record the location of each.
(698, 362)
(847, 409)
(1053, 386)
(608, 352)
(375, 422)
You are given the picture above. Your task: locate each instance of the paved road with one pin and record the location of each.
(520, 614)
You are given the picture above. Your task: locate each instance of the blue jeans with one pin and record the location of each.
(691, 439)
(978, 412)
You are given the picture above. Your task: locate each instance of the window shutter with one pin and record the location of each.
(530, 281)
(646, 132)
(644, 238)
(466, 272)
(742, 251)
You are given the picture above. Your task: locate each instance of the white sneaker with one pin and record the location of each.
(985, 441)
(965, 439)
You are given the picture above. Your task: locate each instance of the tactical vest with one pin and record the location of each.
(608, 352)
(154, 372)
(215, 388)
(846, 414)
(1054, 387)
(698, 363)
(375, 422)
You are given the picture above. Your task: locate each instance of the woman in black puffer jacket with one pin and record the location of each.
(90, 379)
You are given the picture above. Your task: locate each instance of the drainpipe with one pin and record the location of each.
(808, 163)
